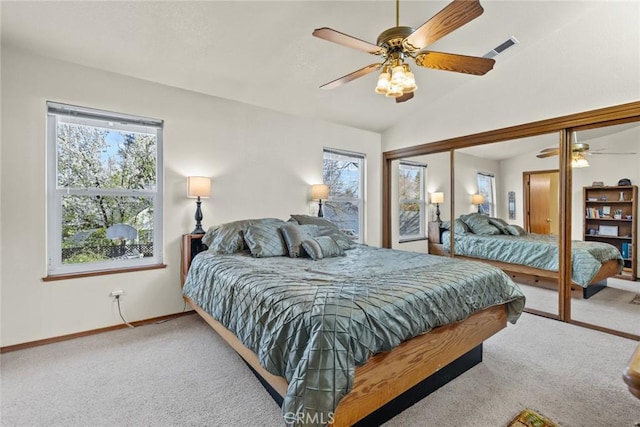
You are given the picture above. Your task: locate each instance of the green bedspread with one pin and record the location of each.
(536, 250)
(313, 322)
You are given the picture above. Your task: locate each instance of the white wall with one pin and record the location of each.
(262, 164)
(591, 69)
(466, 168)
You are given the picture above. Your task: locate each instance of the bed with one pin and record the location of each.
(533, 258)
(338, 337)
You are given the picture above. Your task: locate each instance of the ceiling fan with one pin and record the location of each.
(396, 44)
(579, 152)
(578, 148)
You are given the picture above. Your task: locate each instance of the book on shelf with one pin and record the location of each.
(627, 250)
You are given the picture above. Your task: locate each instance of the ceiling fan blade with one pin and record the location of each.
(452, 17)
(548, 152)
(454, 62)
(405, 97)
(351, 76)
(347, 40)
(604, 152)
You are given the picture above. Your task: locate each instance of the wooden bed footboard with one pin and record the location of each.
(549, 279)
(387, 375)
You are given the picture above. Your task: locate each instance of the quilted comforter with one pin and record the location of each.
(536, 250)
(313, 322)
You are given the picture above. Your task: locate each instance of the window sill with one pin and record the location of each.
(411, 239)
(79, 275)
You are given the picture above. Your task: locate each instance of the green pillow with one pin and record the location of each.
(479, 224)
(516, 230)
(295, 234)
(265, 240)
(322, 247)
(500, 224)
(316, 220)
(460, 227)
(229, 237)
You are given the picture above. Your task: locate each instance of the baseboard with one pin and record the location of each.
(52, 340)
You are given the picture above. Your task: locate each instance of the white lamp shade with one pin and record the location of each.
(437, 197)
(320, 192)
(198, 186)
(477, 199)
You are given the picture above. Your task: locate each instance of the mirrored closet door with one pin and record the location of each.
(605, 178)
(517, 188)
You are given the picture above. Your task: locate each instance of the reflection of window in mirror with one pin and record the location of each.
(487, 188)
(411, 191)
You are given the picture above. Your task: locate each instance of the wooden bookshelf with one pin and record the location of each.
(610, 216)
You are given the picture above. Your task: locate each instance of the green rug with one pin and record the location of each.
(530, 418)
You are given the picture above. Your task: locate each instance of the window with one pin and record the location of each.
(487, 187)
(343, 172)
(104, 189)
(412, 200)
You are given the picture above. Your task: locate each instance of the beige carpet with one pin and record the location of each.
(180, 373)
(612, 307)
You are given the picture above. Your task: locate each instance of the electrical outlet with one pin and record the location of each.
(116, 293)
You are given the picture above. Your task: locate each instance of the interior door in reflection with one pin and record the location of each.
(541, 190)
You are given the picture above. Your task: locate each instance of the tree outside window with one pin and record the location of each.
(343, 172)
(487, 187)
(412, 202)
(104, 190)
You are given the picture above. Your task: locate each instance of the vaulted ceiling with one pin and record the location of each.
(262, 53)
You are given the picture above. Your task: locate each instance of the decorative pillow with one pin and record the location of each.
(228, 238)
(479, 224)
(500, 224)
(308, 219)
(460, 227)
(295, 234)
(322, 247)
(516, 230)
(265, 240)
(340, 238)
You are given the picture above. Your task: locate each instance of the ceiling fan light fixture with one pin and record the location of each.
(394, 91)
(398, 76)
(578, 160)
(383, 81)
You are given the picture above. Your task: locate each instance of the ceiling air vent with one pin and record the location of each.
(501, 48)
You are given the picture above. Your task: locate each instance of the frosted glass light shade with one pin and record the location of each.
(320, 192)
(198, 186)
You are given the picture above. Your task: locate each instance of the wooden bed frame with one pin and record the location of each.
(530, 275)
(549, 279)
(432, 358)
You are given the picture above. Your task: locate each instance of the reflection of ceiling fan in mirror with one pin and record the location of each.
(398, 43)
(580, 151)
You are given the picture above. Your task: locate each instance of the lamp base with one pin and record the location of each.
(320, 213)
(198, 218)
(198, 230)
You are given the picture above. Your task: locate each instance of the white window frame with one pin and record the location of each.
(359, 200)
(422, 234)
(489, 199)
(64, 113)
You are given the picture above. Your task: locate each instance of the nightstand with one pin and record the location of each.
(435, 239)
(190, 246)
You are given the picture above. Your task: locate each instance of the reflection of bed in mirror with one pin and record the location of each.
(293, 321)
(532, 259)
